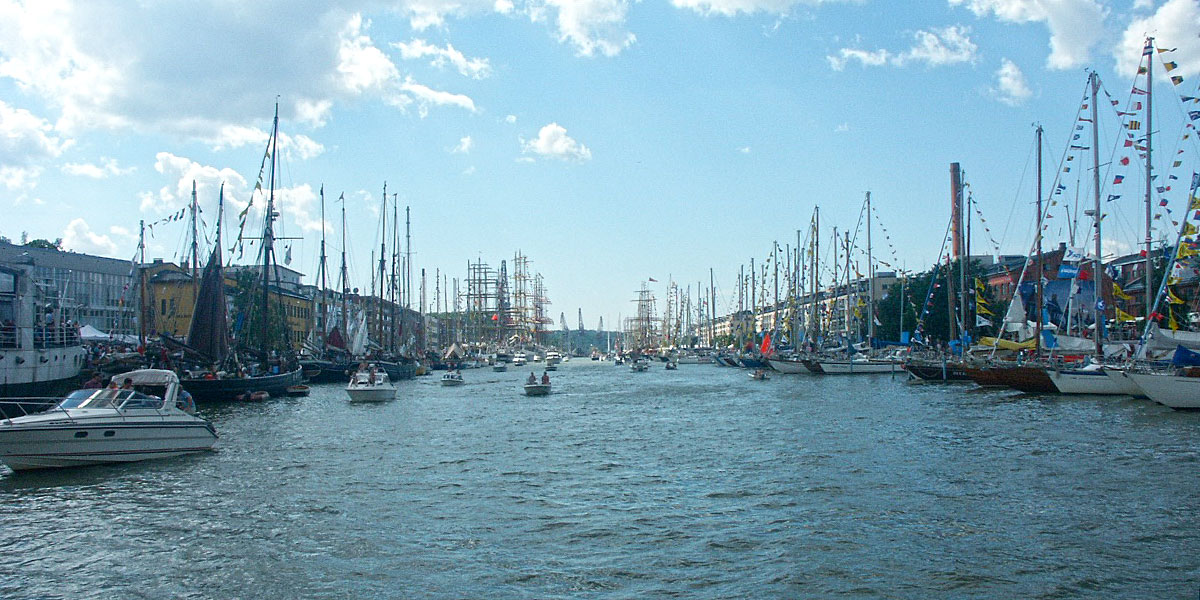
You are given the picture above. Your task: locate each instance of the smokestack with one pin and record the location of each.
(956, 208)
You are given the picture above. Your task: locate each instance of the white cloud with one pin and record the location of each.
(469, 171)
(192, 70)
(464, 145)
(26, 141)
(553, 142)
(475, 68)
(842, 128)
(942, 46)
(1173, 25)
(297, 146)
(1075, 25)
(510, 119)
(591, 26)
(426, 96)
(744, 149)
(79, 237)
(108, 167)
(1011, 88)
(731, 8)
(181, 172)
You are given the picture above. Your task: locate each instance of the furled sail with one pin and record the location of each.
(209, 332)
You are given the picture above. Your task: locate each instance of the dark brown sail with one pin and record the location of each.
(209, 333)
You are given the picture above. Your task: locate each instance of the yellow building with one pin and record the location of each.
(170, 301)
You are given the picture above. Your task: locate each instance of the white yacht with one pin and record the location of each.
(147, 418)
(519, 359)
(553, 358)
(370, 385)
(1169, 389)
(452, 378)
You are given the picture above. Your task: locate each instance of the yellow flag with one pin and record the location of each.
(981, 308)
(1123, 317)
(1189, 229)
(1119, 293)
(1171, 323)
(980, 285)
(1172, 298)
(1186, 250)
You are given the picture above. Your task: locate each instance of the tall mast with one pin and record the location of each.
(345, 277)
(195, 249)
(712, 310)
(775, 308)
(846, 234)
(392, 279)
(1098, 265)
(142, 283)
(870, 279)
(816, 264)
(269, 229)
(322, 268)
(1037, 343)
(407, 256)
(1149, 53)
(379, 329)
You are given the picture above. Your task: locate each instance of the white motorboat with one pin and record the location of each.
(500, 367)
(639, 365)
(759, 374)
(452, 378)
(370, 385)
(148, 418)
(519, 359)
(1168, 389)
(553, 358)
(537, 389)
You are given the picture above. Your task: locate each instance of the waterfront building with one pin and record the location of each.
(90, 290)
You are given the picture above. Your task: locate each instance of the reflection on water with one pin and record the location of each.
(698, 483)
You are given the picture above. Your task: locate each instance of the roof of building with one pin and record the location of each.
(61, 259)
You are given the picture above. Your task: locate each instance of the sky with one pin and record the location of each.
(609, 141)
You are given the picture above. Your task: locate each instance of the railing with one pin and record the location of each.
(11, 408)
(43, 337)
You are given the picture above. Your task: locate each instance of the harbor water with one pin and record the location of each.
(696, 483)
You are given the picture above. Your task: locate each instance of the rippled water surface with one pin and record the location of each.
(698, 483)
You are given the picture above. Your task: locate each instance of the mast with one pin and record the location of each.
(1098, 266)
(268, 241)
(392, 279)
(195, 249)
(322, 269)
(816, 290)
(345, 281)
(1037, 343)
(870, 279)
(846, 235)
(775, 308)
(1149, 53)
(712, 310)
(142, 282)
(379, 329)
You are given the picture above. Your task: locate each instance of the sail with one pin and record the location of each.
(335, 338)
(209, 333)
(358, 342)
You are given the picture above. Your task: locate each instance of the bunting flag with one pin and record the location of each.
(1128, 143)
(1142, 70)
(1123, 317)
(1170, 65)
(1112, 197)
(1138, 92)
(1189, 98)
(1194, 114)
(1189, 229)
(1118, 179)
(1172, 298)
(1176, 163)
(980, 285)
(1175, 79)
(1194, 203)
(1119, 293)
(1125, 160)
(1186, 250)
(1134, 125)
(1171, 324)
(982, 309)
(1161, 50)
(1148, 50)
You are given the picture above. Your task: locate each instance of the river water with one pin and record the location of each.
(697, 483)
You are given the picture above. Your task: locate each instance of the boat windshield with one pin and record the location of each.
(110, 398)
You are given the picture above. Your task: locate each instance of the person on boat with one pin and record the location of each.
(95, 382)
(545, 378)
(128, 384)
(371, 376)
(532, 379)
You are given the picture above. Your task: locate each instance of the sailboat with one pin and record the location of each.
(208, 333)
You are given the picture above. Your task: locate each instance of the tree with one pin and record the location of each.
(44, 243)
(259, 331)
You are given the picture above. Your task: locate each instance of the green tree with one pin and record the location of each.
(261, 331)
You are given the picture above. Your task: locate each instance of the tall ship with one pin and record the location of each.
(39, 354)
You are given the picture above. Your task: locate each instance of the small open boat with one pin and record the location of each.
(452, 378)
(371, 385)
(537, 389)
(298, 390)
(759, 374)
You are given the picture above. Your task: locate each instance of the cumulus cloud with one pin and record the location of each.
(297, 146)
(553, 142)
(1075, 25)
(426, 96)
(731, 8)
(192, 70)
(26, 142)
(79, 237)
(510, 119)
(943, 46)
(464, 145)
(108, 167)
(1174, 25)
(591, 26)
(1011, 88)
(475, 68)
(744, 149)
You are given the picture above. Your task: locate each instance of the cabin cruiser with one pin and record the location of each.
(519, 359)
(370, 385)
(148, 417)
(452, 378)
(553, 358)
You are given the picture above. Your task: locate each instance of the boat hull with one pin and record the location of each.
(1175, 391)
(61, 445)
(857, 367)
(452, 382)
(937, 371)
(41, 372)
(1031, 380)
(537, 389)
(1076, 381)
(371, 394)
(219, 390)
(784, 365)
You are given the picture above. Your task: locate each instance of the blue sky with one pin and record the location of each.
(608, 140)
